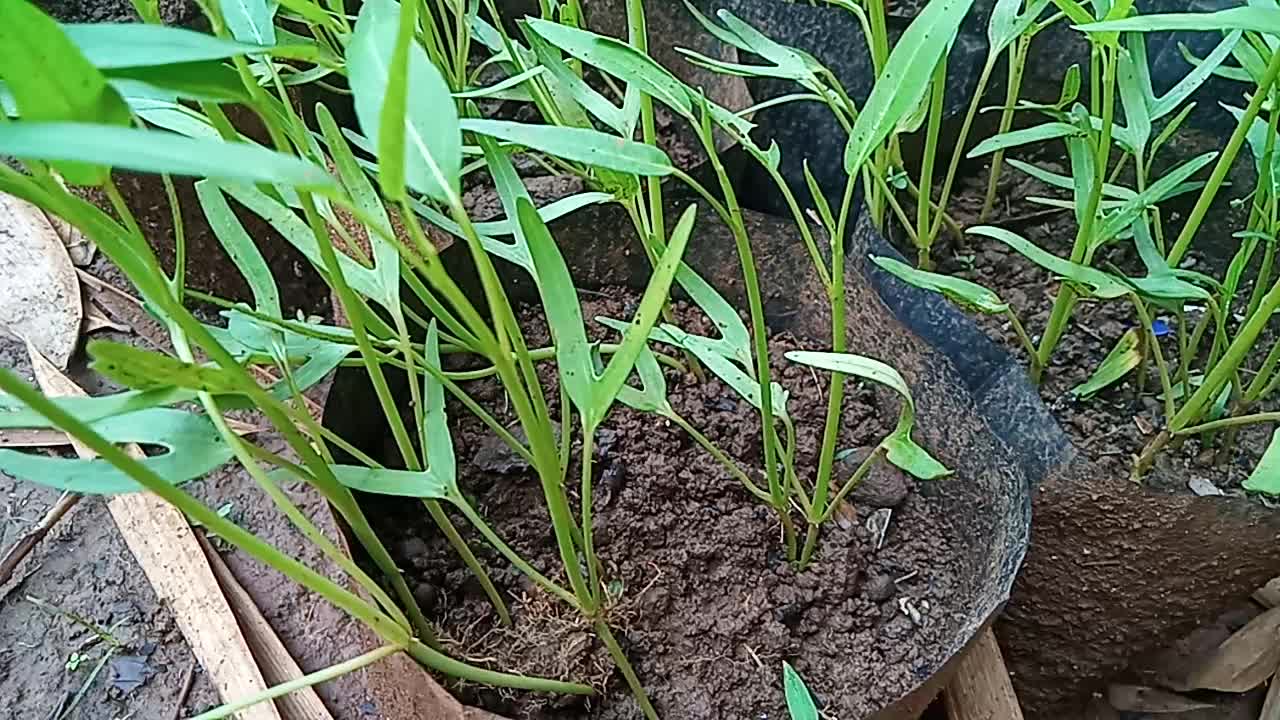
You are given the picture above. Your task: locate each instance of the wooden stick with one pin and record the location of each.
(980, 689)
(163, 544)
(278, 666)
(27, 542)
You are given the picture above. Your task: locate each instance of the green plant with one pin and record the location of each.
(1203, 386)
(150, 99)
(800, 703)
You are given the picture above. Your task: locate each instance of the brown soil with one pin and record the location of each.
(706, 605)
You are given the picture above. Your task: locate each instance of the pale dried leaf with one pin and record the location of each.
(95, 320)
(39, 293)
(33, 437)
(79, 248)
(1268, 595)
(1243, 661)
(1142, 699)
(1204, 488)
(125, 309)
(1271, 708)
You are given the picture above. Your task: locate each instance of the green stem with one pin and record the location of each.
(588, 540)
(639, 37)
(511, 555)
(463, 550)
(444, 664)
(720, 456)
(1225, 160)
(924, 237)
(620, 659)
(1254, 392)
(1225, 368)
(958, 152)
(1231, 422)
(306, 681)
(855, 479)
(759, 332)
(1017, 61)
(1065, 300)
(1153, 344)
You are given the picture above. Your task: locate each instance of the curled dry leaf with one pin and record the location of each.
(79, 248)
(1142, 699)
(39, 292)
(1243, 661)
(1268, 595)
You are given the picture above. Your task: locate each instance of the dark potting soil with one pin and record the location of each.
(1117, 423)
(704, 602)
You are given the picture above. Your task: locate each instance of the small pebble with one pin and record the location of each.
(880, 587)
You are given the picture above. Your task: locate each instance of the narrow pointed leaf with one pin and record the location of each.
(578, 144)
(901, 450)
(433, 145)
(1123, 358)
(1265, 478)
(904, 78)
(51, 81)
(1026, 136)
(799, 702)
(244, 253)
(158, 152)
(1255, 19)
(441, 461)
(399, 483)
(149, 370)
(958, 290)
(250, 21)
(636, 336)
(194, 449)
(124, 45)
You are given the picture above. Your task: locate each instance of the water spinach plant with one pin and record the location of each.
(367, 206)
(1212, 372)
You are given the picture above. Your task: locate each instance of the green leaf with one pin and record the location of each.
(149, 370)
(244, 253)
(958, 290)
(1123, 358)
(441, 462)
(124, 45)
(905, 77)
(400, 483)
(799, 702)
(1099, 283)
(722, 367)
(386, 257)
(1157, 192)
(14, 414)
(194, 448)
(363, 280)
(1006, 23)
(158, 152)
(579, 144)
(205, 81)
(634, 68)
(51, 81)
(1025, 136)
(562, 309)
(787, 63)
(652, 394)
(250, 20)
(901, 450)
(1265, 478)
(635, 337)
(391, 130)
(1256, 19)
(433, 144)
(1168, 102)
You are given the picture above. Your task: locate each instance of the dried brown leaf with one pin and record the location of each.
(1268, 595)
(1143, 699)
(39, 292)
(1243, 661)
